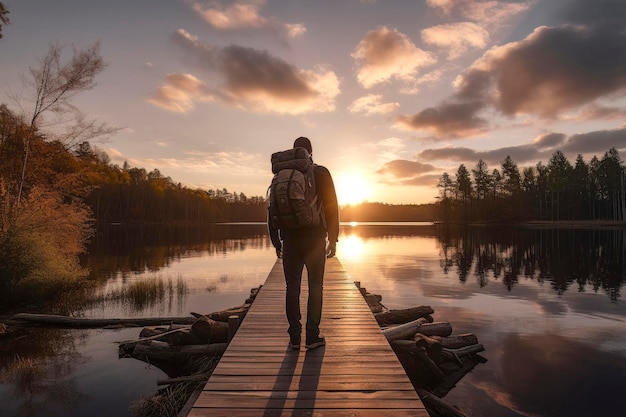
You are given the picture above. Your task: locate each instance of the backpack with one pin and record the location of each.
(292, 197)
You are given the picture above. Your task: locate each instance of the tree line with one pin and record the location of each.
(558, 191)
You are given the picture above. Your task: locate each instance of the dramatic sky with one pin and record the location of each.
(391, 92)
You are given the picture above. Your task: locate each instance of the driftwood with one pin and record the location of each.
(432, 346)
(210, 330)
(432, 402)
(455, 374)
(163, 351)
(373, 300)
(432, 357)
(457, 341)
(403, 316)
(403, 331)
(460, 353)
(223, 315)
(80, 322)
(174, 336)
(435, 329)
(436, 373)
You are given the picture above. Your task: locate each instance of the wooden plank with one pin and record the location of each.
(355, 374)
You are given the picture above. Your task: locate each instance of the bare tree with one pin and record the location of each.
(52, 86)
(4, 18)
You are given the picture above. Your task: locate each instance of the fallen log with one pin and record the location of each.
(438, 406)
(373, 300)
(81, 322)
(436, 373)
(223, 315)
(435, 329)
(432, 346)
(163, 351)
(211, 330)
(455, 375)
(460, 353)
(403, 316)
(403, 331)
(457, 341)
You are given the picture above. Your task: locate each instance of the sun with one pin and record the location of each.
(351, 188)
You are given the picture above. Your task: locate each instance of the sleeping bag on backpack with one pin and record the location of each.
(292, 197)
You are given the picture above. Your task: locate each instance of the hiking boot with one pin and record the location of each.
(314, 342)
(294, 343)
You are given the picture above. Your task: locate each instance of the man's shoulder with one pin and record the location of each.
(321, 169)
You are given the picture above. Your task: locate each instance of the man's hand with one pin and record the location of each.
(279, 253)
(330, 251)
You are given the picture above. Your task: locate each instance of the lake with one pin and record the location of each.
(545, 303)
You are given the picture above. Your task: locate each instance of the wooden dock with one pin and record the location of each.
(356, 374)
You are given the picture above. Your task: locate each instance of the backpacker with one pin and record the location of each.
(292, 198)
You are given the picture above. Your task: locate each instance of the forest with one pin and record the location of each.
(556, 192)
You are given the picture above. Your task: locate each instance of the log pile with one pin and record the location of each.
(206, 335)
(433, 357)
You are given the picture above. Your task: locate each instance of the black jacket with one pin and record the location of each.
(326, 192)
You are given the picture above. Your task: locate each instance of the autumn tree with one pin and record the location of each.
(44, 220)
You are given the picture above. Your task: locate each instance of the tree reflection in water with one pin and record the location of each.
(567, 259)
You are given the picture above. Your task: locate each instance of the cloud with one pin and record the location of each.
(598, 112)
(444, 5)
(486, 13)
(555, 69)
(372, 104)
(254, 80)
(244, 14)
(385, 54)
(541, 148)
(180, 93)
(551, 71)
(519, 154)
(456, 37)
(595, 142)
(450, 119)
(406, 172)
(595, 12)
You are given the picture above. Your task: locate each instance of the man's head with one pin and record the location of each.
(305, 143)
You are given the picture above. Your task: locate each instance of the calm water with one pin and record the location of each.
(546, 304)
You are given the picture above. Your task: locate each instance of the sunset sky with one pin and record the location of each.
(391, 92)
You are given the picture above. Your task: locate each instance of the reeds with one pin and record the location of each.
(169, 401)
(149, 292)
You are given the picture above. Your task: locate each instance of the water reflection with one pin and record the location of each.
(546, 305)
(578, 260)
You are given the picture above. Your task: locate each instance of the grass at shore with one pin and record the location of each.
(148, 292)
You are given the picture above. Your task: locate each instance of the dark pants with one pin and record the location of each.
(298, 252)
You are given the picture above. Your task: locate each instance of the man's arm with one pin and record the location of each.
(326, 191)
(274, 236)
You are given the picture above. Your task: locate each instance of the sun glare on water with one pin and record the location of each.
(351, 188)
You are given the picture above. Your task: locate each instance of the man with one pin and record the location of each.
(300, 247)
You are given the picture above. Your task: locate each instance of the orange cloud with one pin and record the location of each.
(385, 54)
(244, 14)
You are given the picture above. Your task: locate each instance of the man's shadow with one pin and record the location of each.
(307, 386)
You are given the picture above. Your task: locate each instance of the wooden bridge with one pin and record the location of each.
(356, 374)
